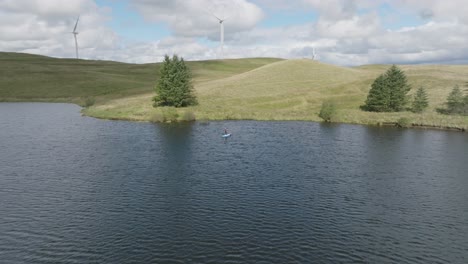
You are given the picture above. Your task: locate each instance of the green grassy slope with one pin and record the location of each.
(292, 89)
(30, 77)
(26, 77)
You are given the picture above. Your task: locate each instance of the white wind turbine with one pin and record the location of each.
(314, 55)
(221, 24)
(74, 35)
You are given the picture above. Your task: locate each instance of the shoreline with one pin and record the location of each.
(421, 126)
(426, 127)
(377, 123)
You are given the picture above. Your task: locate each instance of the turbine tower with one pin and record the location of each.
(221, 24)
(314, 55)
(74, 35)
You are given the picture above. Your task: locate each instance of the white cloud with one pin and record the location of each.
(196, 18)
(454, 10)
(352, 27)
(346, 32)
(44, 26)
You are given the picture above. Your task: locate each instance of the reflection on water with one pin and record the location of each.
(79, 190)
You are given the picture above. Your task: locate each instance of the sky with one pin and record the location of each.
(342, 32)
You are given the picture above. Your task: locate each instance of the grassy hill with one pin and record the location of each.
(26, 77)
(285, 90)
(30, 77)
(260, 89)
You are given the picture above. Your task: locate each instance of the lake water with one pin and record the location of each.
(75, 189)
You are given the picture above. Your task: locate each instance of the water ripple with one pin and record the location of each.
(79, 190)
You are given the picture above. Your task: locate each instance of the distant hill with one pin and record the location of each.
(32, 77)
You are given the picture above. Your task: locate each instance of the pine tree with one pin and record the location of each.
(455, 101)
(398, 88)
(174, 87)
(378, 97)
(420, 101)
(388, 92)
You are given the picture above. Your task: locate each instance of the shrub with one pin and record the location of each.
(404, 122)
(328, 111)
(89, 101)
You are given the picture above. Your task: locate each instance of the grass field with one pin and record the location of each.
(259, 89)
(26, 77)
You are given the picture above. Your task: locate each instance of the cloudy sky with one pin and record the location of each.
(344, 32)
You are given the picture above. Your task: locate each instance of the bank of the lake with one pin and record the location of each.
(295, 90)
(140, 109)
(241, 89)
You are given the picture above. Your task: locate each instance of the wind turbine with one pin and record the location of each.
(314, 55)
(221, 37)
(74, 35)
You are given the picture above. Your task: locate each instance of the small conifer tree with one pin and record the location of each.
(378, 97)
(455, 101)
(388, 92)
(174, 87)
(420, 101)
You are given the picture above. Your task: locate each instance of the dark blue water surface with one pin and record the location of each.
(75, 189)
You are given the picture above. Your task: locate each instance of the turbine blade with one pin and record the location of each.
(76, 24)
(220, 20)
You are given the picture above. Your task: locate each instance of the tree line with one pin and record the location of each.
(389, 91)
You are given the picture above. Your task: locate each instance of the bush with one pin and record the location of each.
(328, 111)
(89, 101)
(404, 122)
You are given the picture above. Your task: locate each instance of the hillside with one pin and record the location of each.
(32, 77)
(26, 77)
(260, 89)
(295, 90)
(281, 90)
